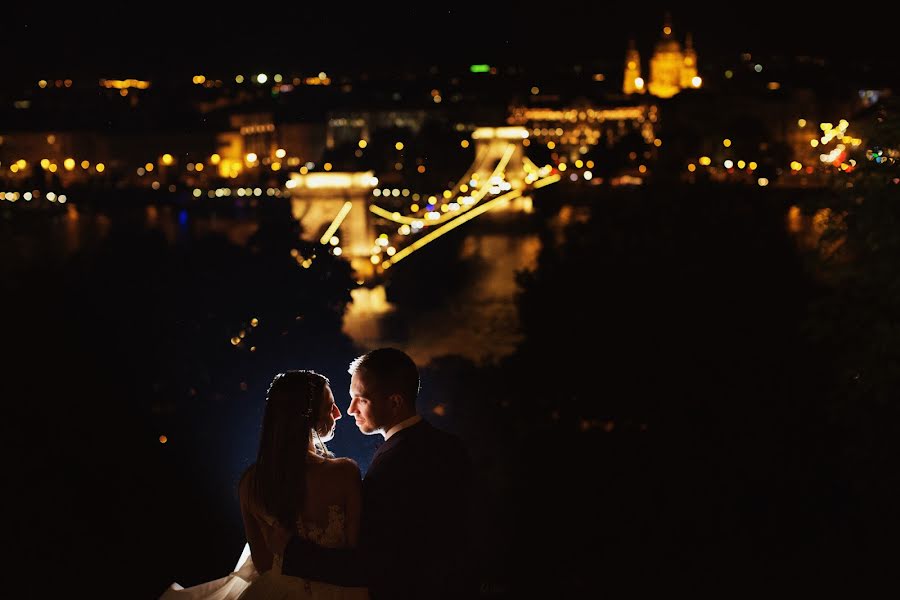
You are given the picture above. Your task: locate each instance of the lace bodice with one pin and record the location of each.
(332, 535)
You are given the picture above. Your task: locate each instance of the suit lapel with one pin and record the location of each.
(395, 440)
(377, 456)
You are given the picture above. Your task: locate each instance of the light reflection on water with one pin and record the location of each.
(479, 321)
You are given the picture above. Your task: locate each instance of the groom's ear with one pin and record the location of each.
(396, 402)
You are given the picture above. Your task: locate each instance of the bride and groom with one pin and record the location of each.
(315, 529)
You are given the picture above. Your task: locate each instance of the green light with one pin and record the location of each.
(480, 68)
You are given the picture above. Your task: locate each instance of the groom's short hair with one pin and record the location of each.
(389, 371)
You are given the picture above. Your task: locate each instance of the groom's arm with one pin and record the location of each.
(338, 566)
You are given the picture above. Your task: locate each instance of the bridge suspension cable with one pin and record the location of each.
(476, 196)
(471, 214)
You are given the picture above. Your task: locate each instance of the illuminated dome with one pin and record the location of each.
(667, 45)
(672, 68)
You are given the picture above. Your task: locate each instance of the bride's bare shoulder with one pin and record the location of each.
(344, 468)
(342, 463)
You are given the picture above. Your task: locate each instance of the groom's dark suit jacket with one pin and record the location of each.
(414, 539)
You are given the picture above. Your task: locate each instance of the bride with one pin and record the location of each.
(294, 486)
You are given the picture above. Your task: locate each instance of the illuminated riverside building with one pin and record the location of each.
(348, 127)
(78, 157)
(671, 68)
(578, 128)
(257, 140)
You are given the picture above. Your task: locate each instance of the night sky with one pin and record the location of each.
(88, 40)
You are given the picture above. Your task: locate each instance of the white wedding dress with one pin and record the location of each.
(246, 583)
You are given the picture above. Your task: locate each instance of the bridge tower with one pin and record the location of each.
(491, 146)
(501, 147)
(336, 204)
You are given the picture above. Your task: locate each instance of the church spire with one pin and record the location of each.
(632, 82)
(689, 76)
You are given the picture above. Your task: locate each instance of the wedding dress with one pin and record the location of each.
(245, 582)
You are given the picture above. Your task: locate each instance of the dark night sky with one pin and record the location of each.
(311, 38)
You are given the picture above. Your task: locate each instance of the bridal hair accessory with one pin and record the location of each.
(311, 398)
(321, 450)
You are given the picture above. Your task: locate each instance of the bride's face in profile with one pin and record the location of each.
(331, 413)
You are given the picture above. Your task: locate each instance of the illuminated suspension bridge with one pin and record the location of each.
(344, 204)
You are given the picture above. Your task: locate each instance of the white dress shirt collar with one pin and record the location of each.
(402, 425)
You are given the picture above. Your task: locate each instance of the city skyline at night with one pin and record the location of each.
(648, 276)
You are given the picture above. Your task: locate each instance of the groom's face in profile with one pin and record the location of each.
(369, 408)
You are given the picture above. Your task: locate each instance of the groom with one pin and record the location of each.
(413, 536)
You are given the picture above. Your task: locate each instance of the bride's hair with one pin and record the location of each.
(293, 406)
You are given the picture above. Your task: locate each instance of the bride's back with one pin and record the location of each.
(330, 514)
(330, 487)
